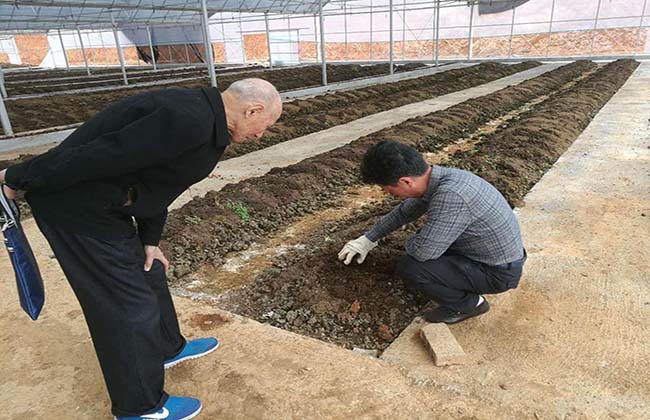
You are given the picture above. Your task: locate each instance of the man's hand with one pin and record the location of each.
(360, 246)
(153, 253)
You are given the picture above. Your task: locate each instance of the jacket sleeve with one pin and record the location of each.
(150, 228)
(155, 138)
(407, 211)
(448, 217)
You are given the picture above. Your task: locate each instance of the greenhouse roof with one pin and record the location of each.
(43, 15)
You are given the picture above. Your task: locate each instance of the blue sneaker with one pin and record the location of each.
(193, 349)
(176, 408)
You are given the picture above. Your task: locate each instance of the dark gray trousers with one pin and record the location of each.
(129, 312)
(455, 281)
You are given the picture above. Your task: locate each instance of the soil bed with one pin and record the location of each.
(58, 83)
(306, 116)
(51, 111)
(366, 305)
(207, 228)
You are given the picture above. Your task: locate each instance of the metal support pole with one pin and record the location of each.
(83, 51)
(593, 35)
(316, 46)
(371, 44)
(471, 30)
(268, 39)
(65, 57)
(638, 32)
(345, 28)
(403, 29)
(4, 119)
(437, 31)
(390, 35)
(187, 54)
(550, 28)
(512, 31)
(3, 90)
(209, 58)
(120, 55)
(241, 42)
(153, 54)
(49, 49)
(322, 42)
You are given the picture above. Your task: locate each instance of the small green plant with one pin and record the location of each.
(239, 209)
(192, 220)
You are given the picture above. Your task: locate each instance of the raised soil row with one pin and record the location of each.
(306, 116)
(366, 305)
(62, 83)
(52, 111)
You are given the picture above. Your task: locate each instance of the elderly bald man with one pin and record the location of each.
(101, 197)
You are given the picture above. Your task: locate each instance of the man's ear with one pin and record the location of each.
(406, 181)
(254, 109)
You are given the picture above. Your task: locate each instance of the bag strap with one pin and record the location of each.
(10, 213)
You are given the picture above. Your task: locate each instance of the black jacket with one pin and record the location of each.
(149, 148)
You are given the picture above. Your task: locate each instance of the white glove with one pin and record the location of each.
(360, 246)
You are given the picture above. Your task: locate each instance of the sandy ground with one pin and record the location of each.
(571, 343)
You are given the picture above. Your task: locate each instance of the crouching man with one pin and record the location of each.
(469, 245)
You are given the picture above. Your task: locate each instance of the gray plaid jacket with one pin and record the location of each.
(465, 214)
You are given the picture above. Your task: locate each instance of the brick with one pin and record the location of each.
(442, 345)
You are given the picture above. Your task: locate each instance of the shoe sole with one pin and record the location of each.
(188, 417)
(196, 413)
(471, 316)
(196, 356)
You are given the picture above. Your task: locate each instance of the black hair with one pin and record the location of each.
(387, 161)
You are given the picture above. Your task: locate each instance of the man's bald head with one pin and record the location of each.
(254, 90)
(251, 106)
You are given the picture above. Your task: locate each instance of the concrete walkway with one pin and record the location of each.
(571, 343)
(579, 325)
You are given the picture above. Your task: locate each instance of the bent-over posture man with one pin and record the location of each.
(470, 243)
(101, 197)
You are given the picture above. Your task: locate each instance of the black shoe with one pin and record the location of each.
(449, 316)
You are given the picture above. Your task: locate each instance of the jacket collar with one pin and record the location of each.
(221, 137)
(434, 180)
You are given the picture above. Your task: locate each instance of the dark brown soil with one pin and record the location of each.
(366, 305)
(103, 72)
(61, 82)
(207, 228)
(516, 158)
(51, 111)
(305, 116)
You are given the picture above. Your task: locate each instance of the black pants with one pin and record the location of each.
(455, 281)
(129, 312)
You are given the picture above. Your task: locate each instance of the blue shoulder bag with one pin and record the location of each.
(28, 276)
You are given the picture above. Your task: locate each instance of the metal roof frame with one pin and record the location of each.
(44, 15)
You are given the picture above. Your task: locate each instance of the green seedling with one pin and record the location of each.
(239, 209)
(192, 220)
